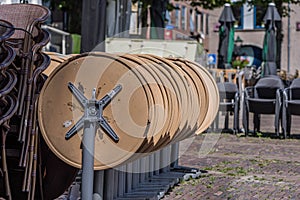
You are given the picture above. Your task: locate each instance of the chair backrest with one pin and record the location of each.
(7, 54)
(24, 16)
(295, 89)
(295, 83)
(227, 90)
(266, 87)
(6, 30)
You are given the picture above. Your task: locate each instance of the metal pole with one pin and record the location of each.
(64, 44)
(88, 160)
(109, 184)
(136, 174)
(99, 182)
(142, 169)
(151, 165)
(163, 160)
(92, 119)
(122, 180)
(157, 162)
(175, 154)
(116, 180)
(129, 177)
(289, 39)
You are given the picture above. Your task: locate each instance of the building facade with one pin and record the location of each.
(249, 27)
(189, 22)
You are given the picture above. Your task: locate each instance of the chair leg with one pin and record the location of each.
(246, 120)
(235, 127)
(256, 122)
(217, 121)
(7, 188)
(236, 124)
(284, 121)
(277, 124)
(288, 126)
(226, 120)
(278, 120)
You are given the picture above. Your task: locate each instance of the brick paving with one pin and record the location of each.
(239, 167)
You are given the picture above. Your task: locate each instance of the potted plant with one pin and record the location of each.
(240, 62)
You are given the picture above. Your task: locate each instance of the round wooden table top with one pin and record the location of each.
(185, 95)
(172, 91)
(200, 99)
(56, 60)
(162, 101)
(212, 94)
(162, 106)
(128, 114)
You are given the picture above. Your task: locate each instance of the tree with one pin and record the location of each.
(71, 13)
(280, 4)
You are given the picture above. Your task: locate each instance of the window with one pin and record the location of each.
(192, 21)
(207, 24)
(134, 20)
(259, 16)
(238, 12)
(248, 17)
(177, 15)
(183, 17)
(197, 22)
(201, 22)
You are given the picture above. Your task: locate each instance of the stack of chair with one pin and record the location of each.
(229, 84)
(263, 98)
(27, 41)
(290, 105)
(8, 100)
(229, 103)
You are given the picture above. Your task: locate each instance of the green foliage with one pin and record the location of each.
(209, 4)
(73, 8)
(281, 5)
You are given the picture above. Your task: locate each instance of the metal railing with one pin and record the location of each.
(60, 32)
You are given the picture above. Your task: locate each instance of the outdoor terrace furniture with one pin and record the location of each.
(262, 98)
(7, 53)
(8, 101)
(230, 84)
(24, 82)
(27, 20)
(224, 75)
(27, 40)
(35, 66)
(290, 105)
(229, 103)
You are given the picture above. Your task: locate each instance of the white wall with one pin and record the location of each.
(248, 21)
(294, 41)
(18, 1)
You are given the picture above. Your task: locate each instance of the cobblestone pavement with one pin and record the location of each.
(238, 167)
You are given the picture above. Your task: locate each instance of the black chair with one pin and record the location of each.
(262, 98)
(291, 105)
(230, 104)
